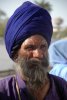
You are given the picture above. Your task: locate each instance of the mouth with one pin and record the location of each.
(34, 62)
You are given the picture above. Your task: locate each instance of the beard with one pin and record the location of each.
(34, 70)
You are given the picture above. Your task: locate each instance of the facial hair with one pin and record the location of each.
(35, 70)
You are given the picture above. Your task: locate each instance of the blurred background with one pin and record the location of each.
(57, 9)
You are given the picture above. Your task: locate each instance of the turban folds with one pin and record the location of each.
(29, 19)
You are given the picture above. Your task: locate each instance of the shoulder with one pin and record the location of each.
(59, 82)
(57, 79)
(5, 82)
(61, 86)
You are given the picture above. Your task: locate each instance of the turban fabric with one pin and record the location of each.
(28, 19)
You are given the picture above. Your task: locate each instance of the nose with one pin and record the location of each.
(38, 53)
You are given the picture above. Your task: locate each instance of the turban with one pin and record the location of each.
(28, 19)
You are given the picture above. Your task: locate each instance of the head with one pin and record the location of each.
(32, 61)
(27, 38)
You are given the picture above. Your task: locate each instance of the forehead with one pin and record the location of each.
(35, 39)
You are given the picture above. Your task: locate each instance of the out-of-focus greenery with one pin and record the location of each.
(61, 34)
(44, 4)
(2, 13)
(3, 21)
(2, 27)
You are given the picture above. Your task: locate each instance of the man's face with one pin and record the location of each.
(33, 60)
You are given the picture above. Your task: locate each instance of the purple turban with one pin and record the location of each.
(29, 19)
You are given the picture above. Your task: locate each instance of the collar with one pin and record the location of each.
(21, 83)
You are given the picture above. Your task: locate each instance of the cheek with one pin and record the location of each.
(23, 53)
(46, 53)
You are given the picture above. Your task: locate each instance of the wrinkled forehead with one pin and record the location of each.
(35, 40)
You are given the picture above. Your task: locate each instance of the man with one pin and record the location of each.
(27, 38)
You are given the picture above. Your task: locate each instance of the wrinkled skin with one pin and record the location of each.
(33, 61)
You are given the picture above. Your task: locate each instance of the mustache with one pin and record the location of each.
(33, 62)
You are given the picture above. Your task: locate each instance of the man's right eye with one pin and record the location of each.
(30, 47)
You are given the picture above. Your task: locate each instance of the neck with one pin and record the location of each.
(41, 92)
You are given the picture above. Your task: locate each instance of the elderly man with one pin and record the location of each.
(27, 38)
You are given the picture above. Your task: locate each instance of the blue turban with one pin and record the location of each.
(29, 19)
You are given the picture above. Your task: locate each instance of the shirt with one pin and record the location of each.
(8, 90)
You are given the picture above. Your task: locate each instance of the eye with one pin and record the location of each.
(30, 47)
(44, 47)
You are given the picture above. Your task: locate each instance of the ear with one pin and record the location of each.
(15, 58)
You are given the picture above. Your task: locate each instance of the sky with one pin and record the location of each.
(59, 8)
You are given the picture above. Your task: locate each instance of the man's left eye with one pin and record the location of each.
(43, 47)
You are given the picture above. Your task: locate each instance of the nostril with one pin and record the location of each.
(38, 54)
